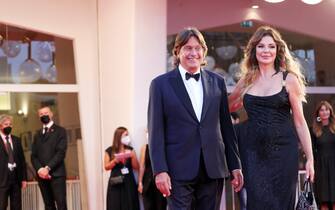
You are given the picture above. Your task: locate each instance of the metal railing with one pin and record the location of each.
(32, 198)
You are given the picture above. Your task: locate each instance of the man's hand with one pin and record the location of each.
(237, 181)
(163, 183)
(43, 173)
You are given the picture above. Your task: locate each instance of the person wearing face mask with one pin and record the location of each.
(47, 156)
(13, 173)
(120, 159)
(125, 140)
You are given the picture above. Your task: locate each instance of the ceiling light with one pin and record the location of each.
(254, 6)
(274, 1)
(29, 70)
(311, 1)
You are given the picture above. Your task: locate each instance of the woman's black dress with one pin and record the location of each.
(271, 162)
(324, 158)
(122, 196)
(152, 198)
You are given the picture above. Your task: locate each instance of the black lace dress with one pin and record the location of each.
(271, 151)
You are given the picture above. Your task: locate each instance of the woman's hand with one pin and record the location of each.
(310, 170)
(140, 187)
(116, 159)
(119, 160)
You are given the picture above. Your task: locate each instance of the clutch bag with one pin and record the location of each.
(116, 180)
(306, 199)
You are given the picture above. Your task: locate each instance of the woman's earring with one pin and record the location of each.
(318, 119)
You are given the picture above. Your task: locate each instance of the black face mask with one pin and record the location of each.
(7, 130)
(45, 119)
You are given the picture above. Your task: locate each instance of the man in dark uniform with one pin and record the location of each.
(13, 173)
(47, 156)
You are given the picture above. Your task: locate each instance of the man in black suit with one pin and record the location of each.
(47, 156)
(191, 138)
(13, 173)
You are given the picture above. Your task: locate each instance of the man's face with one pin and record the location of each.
(45, 111)
(5, 124)
(191, 55)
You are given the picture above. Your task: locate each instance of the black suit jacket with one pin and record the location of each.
(177, 138)
(49, 150)
(19, 159)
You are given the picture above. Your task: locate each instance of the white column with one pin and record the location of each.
(132, 45)
(149, 61)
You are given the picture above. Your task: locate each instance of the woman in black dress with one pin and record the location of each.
(122, 190)
(152, 198)
(272, 91)
(323, 138)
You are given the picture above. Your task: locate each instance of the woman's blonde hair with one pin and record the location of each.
(283, 62)
(317, 124)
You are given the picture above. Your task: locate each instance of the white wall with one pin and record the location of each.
(76, 20)
(149, 60)
(132, 52)
(119, 47)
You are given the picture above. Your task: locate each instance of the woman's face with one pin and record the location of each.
(266, 51)
(324, 113)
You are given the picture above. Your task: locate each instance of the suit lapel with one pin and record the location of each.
(14, 142)
(207, 86)
(3, 146)
(178, 85)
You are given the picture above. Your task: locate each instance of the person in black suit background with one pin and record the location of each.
(192, 142)
(13, 173)
(48, 154)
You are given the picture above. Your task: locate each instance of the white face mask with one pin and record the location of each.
(126, 140)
